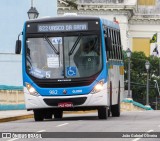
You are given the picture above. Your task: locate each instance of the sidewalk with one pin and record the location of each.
(12, 115)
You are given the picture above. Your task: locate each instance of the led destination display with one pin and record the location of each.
(59, 27)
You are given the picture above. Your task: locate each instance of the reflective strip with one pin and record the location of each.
(111, 67)
(121, 70)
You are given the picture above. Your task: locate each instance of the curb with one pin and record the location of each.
(7, 119)
(16, 118)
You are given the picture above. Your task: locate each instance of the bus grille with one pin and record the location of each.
(75, 101)
(46, 84)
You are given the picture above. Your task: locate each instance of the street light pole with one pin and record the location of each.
(147, 65)
(147, 97)
(156, 94)
(129, 78)
(129, 68)
(156, 86)
(32, 13)
(31, 3)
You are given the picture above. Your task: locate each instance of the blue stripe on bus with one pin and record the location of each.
(104, 73)
(110, 23)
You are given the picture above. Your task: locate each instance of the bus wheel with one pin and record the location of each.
(109, 112)
(58, 114)
(38, 115)
(102, 112)
(115, 109)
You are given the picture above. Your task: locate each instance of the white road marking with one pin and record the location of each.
(136, 139)
(150, 131)
(41, 131)
(13, 139)
(62, 125)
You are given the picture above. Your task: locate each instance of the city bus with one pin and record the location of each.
(72, 63)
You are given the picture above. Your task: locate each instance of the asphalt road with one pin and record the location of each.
(147, 122)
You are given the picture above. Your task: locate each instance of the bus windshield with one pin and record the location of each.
(73, 56)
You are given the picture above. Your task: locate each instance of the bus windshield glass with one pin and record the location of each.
(67, 56)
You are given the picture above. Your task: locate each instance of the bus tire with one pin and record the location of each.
(109, 112)
(115, 109)
(102, 112)
(38, 115)
(58, 114)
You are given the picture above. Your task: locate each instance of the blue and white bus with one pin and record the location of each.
(70, 64)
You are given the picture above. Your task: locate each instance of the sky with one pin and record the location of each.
(13, 14)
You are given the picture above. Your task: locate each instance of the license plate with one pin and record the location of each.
(65, 104)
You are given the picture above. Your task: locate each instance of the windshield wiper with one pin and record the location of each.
(75, 45)
(51, 45)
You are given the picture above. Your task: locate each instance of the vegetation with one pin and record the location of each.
(139, 77)
(72, 3)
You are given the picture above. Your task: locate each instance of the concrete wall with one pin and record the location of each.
(11, 100)
(10, 69)
(11, 97)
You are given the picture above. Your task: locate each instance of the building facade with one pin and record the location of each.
(138, 19)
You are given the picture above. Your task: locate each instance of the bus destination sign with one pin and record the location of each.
(59, 27)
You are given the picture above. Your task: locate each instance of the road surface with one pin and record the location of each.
(146, 122)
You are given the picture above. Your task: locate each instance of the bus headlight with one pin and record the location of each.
(31, 90)
(98, 87)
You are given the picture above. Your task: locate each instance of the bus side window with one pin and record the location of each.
(120, 46)
(112, 50)
(117, 46)
(108, 43)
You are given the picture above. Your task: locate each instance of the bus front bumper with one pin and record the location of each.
(78, 102)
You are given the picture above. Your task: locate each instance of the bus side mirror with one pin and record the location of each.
(108, 43)
(18, 47)
(18, 44)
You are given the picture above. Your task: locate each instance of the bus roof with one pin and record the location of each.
(106, 22)
(110, 23)
(63, 18)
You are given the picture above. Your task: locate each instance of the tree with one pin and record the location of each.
(139, 75)
(72, 3)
